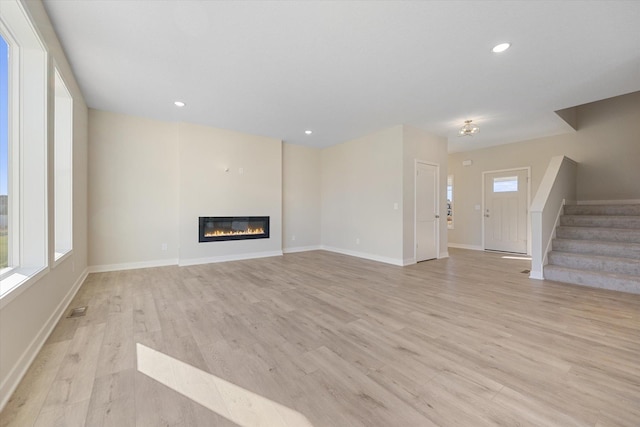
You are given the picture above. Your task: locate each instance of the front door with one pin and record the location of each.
(427, 216)
(505, 211)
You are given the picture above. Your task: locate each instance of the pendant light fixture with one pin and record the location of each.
(468, 129)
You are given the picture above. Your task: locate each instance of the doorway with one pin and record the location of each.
(427, 212)
(505, 210)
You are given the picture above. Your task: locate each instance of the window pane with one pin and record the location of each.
(24, 132)
(63, 114)
(505, 184)
(4, 154)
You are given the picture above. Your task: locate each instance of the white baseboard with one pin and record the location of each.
(444, 255)
(409, 261)
(132, 265)
(609, 202)
(364, 255)
(224, 258)
(464, 246)
(301, 249)
(16, 374)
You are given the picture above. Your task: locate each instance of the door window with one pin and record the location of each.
(505, 184)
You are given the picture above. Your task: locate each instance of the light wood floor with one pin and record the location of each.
(464, 341)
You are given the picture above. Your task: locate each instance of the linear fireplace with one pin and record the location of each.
(219, 228)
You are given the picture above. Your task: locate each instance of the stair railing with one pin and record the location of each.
(557, 188)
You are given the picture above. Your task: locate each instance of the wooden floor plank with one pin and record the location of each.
(74, 381)
(26, 402)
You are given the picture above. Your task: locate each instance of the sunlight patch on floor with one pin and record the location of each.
(228, 400)
(521, 258)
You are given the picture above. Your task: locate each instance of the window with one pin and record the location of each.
(26, 170)
(505, 184)
(450, 201)
(63, 143)
(4, 154)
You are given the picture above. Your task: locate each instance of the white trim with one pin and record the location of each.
(224, 258)
(386, 260)
(62, 170)
(444, 255)
(59, 257)
(132, 265)
(415, 206)
(28, 147)
(19, 281)
(301, 249)
(18, 371)
(609, 202)
(557, 189)
(482, 210)
(409, 261)
(465, 246)
(13, 211)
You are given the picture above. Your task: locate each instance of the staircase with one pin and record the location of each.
(599, 246)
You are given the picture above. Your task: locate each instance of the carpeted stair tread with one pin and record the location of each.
(617, 282)
(616, 209)
(602, 221)
(596, 263)
(597, 247)
(599, 233)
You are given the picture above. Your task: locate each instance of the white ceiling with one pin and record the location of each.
(345, 69)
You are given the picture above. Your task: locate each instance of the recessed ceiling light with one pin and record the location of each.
(501, 47)
(179, 104)
(308, 132)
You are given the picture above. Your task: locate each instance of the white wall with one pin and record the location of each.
(252, 186)
(133, 203)
(605, 147)
(151, 180)
(361, 182)
(421, 145)
(301, 202)
(28, 318)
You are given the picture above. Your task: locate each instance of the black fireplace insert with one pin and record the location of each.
(220, 228)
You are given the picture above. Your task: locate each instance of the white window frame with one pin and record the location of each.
(13, 219)
(28, 138)
(63, 171)
(4, 272)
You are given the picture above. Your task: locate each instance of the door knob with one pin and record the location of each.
(437, 216)
(486, 215)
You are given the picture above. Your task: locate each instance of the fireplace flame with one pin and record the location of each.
(248, 231)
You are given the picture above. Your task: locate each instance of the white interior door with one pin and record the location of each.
(505, 211)
(427, 216)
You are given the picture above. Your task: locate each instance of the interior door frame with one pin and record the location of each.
(415, 206)
(482, 210)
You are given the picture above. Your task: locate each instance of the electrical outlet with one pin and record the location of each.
(293, 237)
(164, 246)
(358, 241)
